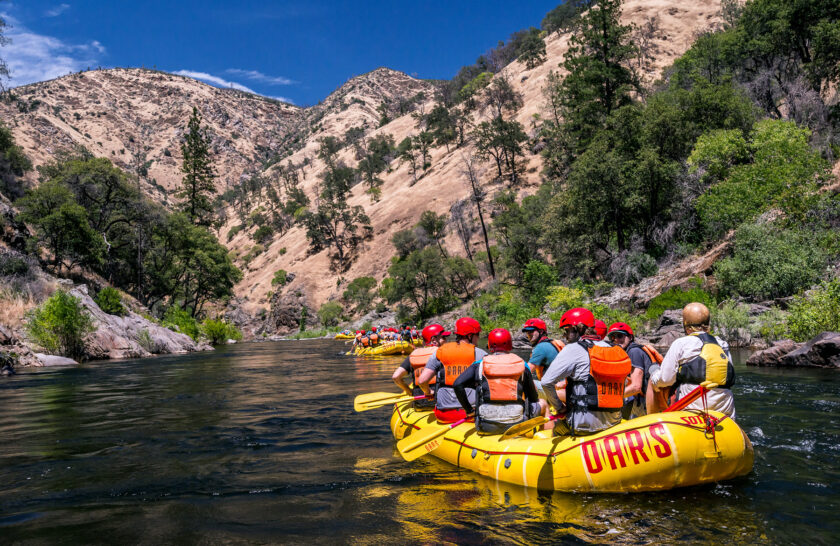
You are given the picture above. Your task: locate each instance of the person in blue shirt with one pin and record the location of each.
(543, 353)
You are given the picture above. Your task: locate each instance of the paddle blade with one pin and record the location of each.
(365, 399)
(380, 403)
(523, 427)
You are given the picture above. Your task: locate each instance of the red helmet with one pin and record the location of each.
(620, 328)
(577, 315)
(600, 328)
(465, 326)
(499, 339)
(433, 330)
(373, 328)
(534, 324)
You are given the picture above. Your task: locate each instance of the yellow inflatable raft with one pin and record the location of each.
(650, 453)
(386, 348)
(344, 336)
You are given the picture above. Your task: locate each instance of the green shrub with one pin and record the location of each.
(769, 262)
(367, 325)
(677, 298)
(330, 313)
(60, 324)
(263, 233)
(145, 340)
(815, 312)
(109, 300)
(233, 231)
(729, 319)
(360, 292)
(12, 263)
(279, 277)
(219, 331)
(180, 320)
(537, 281)
(771, 325)
(562, 298)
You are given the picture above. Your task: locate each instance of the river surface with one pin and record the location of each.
(258, 443)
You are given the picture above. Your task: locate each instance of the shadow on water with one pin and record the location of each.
(259, 443)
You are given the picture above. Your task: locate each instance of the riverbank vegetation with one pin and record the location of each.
(735, 144)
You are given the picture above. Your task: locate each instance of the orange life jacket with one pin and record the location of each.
(501, 378)
(608, 371)
(365, 341)
(374, 339)
(418, 359)
(654, 355)
(455, 357)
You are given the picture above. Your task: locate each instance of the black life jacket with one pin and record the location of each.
(608, 371)
(710, 365)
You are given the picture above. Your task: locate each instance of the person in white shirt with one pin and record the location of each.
(694, 358)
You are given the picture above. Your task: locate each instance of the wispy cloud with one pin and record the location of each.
(221, 82)
(58, 10)
(33, 57)
(258, 76)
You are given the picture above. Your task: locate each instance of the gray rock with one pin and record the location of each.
(821, 352)
(284, 316)
(376, 318)
(6, 336)
(671, 317)
(53, 360)
(520, 341)
(130, 336)
(772, 356)
(666, 340)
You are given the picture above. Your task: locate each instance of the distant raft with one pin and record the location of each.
(386, 348)
(651, 453)
(343, 335)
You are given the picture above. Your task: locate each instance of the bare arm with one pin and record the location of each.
(634, 387)
(423, 381)
(400, 382)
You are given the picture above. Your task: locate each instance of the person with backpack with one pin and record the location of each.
(595, 374)
(505, 392)
(642, 357)
(696, 358)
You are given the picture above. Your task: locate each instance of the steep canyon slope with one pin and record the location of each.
(136, 117)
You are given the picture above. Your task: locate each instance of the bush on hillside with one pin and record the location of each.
(769, 262)
(218, 332)
(677, 298)
(180, 320)
(360, 292)
(60, 324)
(815, 312)
(330, 313)
(109, 300)
(538, 278)
(731, 320)
(280, 277)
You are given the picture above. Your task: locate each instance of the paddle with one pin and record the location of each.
(365, 399)
(424, 441)
(379, 403)
(525, 426)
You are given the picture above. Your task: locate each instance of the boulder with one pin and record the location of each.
(7, 337)
(130, 335)
(53, 360)
(662, 343)
(286, 309)
(821, 352)
(520, 341)
(772, 356)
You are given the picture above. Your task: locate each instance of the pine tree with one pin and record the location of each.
(198, 183)
(599, 81)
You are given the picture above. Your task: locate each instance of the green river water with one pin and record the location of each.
(258, 443)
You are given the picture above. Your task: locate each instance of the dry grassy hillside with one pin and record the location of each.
(136, 117)
(677, 25)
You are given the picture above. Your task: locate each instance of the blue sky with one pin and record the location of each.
(296, 50)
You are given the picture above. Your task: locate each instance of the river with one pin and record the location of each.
(258, 443)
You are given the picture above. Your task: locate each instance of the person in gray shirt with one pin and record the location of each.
(573, 363)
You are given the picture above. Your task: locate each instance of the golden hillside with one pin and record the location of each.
(136, 118)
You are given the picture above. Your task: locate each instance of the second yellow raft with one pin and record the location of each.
(650, 453)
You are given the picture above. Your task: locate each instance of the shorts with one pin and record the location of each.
(450, 416)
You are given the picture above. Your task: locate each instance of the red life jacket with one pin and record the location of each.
(501, 378)
(608, 371)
